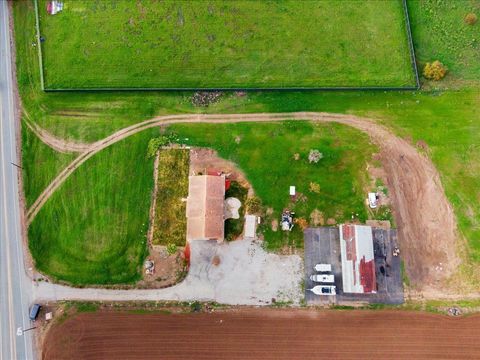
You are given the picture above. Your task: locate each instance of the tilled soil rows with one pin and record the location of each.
(265, 334)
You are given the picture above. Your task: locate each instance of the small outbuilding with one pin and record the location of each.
(250, 226)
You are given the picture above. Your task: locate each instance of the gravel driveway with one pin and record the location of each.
(245, 275)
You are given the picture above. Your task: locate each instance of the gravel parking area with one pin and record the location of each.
(322, 245)
(245, 274)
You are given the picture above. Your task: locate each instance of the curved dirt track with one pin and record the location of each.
(426, 223)
(57, 144)
(264, 334)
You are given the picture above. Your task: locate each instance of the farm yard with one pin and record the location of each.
(264, 334)
(440, 119)
(112, 233)
(275, 156)
(224, 44)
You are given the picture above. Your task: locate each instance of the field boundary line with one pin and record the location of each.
(413, 58)
(39, 46)
(286, 88)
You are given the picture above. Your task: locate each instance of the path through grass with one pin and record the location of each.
(40, 164)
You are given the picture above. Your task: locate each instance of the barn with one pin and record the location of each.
(358, 264)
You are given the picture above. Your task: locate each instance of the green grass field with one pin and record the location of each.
(41, 164)
(172, 176)
(221, 43)
(93, 229)
(441, 33)
(446, 119)
(266, 155)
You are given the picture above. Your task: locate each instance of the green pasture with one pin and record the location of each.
(225, 44)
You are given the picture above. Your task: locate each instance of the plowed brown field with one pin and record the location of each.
(265, 334)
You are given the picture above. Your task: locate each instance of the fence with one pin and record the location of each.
(299, 88)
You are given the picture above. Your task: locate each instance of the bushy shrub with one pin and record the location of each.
(314, 187)
(253, 205)
(314, 156)
(434, 71)
(156, 143)
(172, 249)
(301, 222)
(471, 19)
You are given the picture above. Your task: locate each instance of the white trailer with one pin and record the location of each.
(323, 267)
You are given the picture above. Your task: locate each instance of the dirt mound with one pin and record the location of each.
(264, 334)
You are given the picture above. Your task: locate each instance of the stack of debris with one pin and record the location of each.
(287, 220)
(205, 98)
(54, 7)
(149, 267)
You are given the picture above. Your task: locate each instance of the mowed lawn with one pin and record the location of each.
(40, 164)
(265, 152)
(222, 43)
(93, 229)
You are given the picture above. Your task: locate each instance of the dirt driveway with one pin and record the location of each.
(265, 334)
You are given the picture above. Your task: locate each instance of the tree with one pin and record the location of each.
(156, 143)
(434, 71)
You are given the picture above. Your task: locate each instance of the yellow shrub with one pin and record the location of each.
(471, 19)
(434, 71)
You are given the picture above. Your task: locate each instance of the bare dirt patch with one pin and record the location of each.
(169, 270)
(264, 334)
(202, 160)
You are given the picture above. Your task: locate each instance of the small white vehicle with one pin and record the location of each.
(372, 200)
(322, 278)
(323, 267)
(323, 290)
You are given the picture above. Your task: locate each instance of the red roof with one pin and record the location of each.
(367, 275)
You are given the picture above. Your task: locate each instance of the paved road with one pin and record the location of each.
(15, 286)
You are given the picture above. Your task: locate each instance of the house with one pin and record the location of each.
(205, 208)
